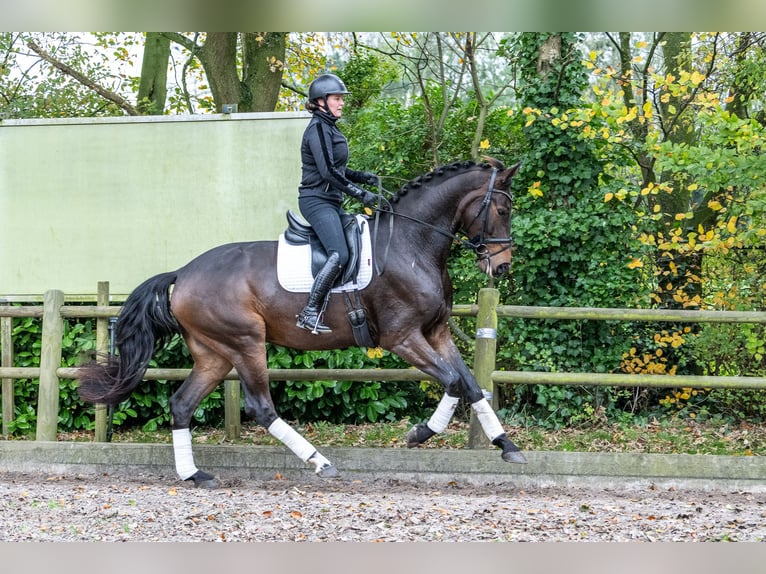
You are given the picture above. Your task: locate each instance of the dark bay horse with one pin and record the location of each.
(227, 303)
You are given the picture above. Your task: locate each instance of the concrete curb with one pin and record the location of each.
(438, 466)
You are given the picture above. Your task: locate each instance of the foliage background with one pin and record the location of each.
(615, 206)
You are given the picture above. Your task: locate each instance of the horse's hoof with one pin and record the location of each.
(514, 456)
(418, 434)
(511, 453)
(204, 480)
(328, 471)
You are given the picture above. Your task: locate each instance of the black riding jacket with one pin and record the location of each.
(324, 155)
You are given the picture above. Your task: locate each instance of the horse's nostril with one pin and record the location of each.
(502, 269)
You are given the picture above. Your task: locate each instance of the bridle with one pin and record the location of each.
(478, 243)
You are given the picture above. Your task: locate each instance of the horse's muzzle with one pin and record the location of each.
(495, 270)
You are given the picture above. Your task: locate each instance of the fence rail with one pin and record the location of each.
(487, 311)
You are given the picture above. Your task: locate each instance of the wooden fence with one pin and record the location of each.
(486, 310)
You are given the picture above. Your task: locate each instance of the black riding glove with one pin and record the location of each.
(369, 178)
(367, 198)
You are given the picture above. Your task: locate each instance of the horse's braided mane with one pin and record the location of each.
(444, 170)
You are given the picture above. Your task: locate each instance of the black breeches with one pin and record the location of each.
(325, 217)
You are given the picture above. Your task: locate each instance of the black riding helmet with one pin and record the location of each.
(325, 85)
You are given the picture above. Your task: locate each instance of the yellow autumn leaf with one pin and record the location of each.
(484, 144)
(375, 352)
(714, 205)
(635, 264)
(608, 197)
(731, 226)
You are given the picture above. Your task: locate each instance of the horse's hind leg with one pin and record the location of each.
(208, 371)
(259, 405)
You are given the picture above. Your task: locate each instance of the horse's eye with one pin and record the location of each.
(502, 212)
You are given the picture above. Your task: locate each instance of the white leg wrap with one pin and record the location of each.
(443, 413)
(319, 461)
(488, 419)
(302, 448)
(182, 451)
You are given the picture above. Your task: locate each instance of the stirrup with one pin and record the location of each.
(310, 322)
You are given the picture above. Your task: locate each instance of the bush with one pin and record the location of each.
(147, 407)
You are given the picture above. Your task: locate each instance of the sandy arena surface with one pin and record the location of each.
(143, 508)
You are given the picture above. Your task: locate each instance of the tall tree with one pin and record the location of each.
(152, 88)
(241, 68)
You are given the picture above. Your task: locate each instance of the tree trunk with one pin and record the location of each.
(263, 65)
(219, 59)
(152, 88)
(683, 271)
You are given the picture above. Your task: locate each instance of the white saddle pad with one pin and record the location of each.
(294, 264)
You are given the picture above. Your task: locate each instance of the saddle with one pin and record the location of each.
(299, 232)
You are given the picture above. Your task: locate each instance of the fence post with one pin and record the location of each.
(6, 342)
(50, 361)
(231, 406)
(484, 359)
(102, 349)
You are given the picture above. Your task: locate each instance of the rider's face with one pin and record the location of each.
(335, 103)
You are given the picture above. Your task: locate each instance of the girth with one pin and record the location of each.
(299, 232)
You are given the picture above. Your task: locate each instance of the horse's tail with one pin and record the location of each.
(145, 323)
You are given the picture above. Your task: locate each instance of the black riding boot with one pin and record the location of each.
(309, 317)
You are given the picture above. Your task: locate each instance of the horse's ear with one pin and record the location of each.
(496, 163)
(506, 176)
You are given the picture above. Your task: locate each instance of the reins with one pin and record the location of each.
(478, 243)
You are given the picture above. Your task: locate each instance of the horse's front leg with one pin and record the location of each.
(443, 361)
(485, 414)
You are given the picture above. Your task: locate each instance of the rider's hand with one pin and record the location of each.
(369, 199)
(370, 178)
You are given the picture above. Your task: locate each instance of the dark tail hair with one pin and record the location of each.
(144, 324)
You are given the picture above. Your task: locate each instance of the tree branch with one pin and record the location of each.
(87, 82)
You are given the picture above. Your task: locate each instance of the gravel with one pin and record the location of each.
(144, 508)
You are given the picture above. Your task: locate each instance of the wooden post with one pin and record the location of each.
(50, 361)
(102, 349)
(231, 406)
(6, 342)
(484, 359)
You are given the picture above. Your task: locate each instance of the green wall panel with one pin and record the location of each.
(121, 199)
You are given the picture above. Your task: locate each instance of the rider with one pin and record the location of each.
(325, 178)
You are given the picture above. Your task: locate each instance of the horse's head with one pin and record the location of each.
(485, 216)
